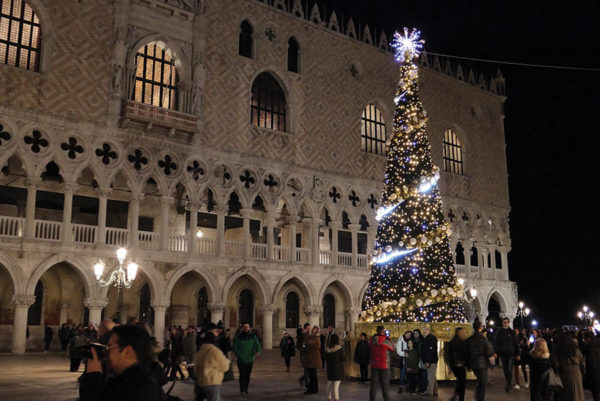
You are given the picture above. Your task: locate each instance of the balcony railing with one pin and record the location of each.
(11, 226)
(149, 114)
(120, 237)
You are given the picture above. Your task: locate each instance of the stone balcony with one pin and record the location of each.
(152, 115)
(50, 232)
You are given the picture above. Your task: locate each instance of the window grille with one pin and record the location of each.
(268, 108)
(20, 35)
(373, 133)
(453, 158)
(155, 77)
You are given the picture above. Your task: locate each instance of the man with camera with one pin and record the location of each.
(128, 354)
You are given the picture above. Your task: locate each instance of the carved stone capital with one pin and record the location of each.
(160, 307)
(193, 206)
(136, 196)
(221, 209)
(354, 227)
(32, 181)
(23, 300)
(247, 213)
(103, 191)
(69, 187)
(95, 303)
(166, 200)
(216, 307)
(313, 310)
(270, 308)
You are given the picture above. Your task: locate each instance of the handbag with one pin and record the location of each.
(228, 376)
(396, 360)
(551, 381)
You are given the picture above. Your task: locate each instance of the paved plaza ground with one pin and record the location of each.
(45, 377)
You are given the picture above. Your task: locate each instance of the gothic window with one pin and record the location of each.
(246, 307)
(498, 259)
(34, 318)
(460, 254)
(146, 313)
(245, 42)
(293, 54)
(453, 157)
(268, 108)
(474, 257)
(155, 76)
(20, 33)
(292, 310)
(372, 131)
(328, 310)
(203, 313)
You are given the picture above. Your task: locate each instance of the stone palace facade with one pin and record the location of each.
(236, 149)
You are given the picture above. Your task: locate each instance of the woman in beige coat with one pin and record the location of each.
(311, 359)
(209, 365)
(570, 365)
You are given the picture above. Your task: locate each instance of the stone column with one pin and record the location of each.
(102, 205)
(314, 314)
(315, 223)
(193, 233)
(492, 251)
(481, 316)
(216, 312)
(270, 222)
(159, 322)
(292, 220)
(165, 204)
(334, 226)
(134, 217)
(67, 232)
(95, 306)
(64, 312)
(22, 302)
(267, 311)
(30, 207)
(354, 232)
(351, 318)
(221, 210)
(371, 235)
(247, 238)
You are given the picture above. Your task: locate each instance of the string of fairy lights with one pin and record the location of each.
(412, 271)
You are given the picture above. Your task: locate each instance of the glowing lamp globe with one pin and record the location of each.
(121, 255)
(132, 269)
(99, 269)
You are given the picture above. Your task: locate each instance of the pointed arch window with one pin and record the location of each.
(20, 35)
(474, 257)
(292, 310)
(268, 108)
(203, 313)
(372, 131)
(155, 76)
(328, 310)
(246, 39)
(460, 254)
(293, 55)
(498, 258)
(246, 307)
(453, 157)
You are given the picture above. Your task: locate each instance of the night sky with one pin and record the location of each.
(552, 128)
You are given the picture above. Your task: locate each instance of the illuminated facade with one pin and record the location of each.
(131, 123)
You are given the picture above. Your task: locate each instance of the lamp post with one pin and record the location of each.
(118, 277)
(586, 315)
(523, 312)
(468, 295)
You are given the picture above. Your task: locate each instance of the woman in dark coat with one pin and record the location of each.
(570, 366)
(362, 357)
(287, 348)
(539, 362)
(456, 357)
(311, 359)
(334, 356)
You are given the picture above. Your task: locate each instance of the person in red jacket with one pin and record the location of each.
(380, 347)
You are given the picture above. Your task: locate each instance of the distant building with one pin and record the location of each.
(236, 149)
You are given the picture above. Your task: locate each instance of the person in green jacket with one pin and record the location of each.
(412, 366)
(245, 347)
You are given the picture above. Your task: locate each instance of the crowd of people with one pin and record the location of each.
(554, 365)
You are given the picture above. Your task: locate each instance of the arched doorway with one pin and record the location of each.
(292, 310)
(34, 316)
(328, 310)
(146, 312)
(203, 313)
(246, 307)
(494, 311)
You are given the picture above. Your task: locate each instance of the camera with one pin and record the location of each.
(387, 333)
(86, 350)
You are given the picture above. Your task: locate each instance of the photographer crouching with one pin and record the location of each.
(129, 363)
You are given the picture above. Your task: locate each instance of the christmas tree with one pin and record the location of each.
(412, 271)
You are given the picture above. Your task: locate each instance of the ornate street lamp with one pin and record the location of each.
(468, 295)
(586, 315)
(118, 278)
(523, 312)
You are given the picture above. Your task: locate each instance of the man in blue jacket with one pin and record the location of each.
(506, 346)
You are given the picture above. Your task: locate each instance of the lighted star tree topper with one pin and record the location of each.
(412, 271)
